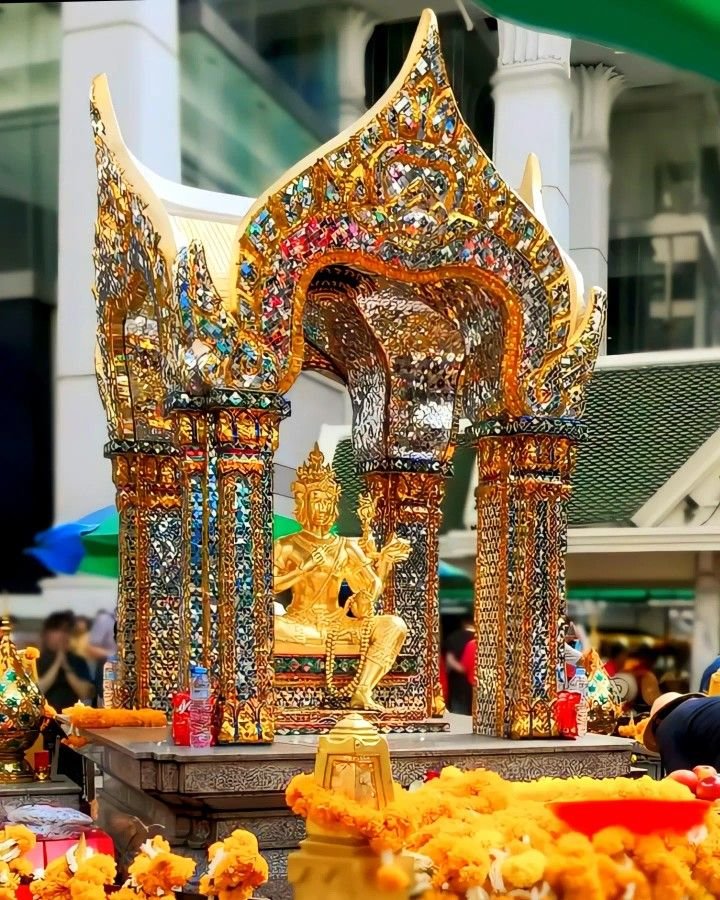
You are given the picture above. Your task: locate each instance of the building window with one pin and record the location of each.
(663, 294)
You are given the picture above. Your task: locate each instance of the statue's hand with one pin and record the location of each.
(396, 550)
(315, 559)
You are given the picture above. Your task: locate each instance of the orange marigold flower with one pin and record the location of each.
(157, 872)
(236, 868)
(87, 717)
(392, 878)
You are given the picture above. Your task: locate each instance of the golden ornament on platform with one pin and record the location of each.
(22, 710)
(353, 759)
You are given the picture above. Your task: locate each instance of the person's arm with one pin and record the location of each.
(101, 638)
(80, 680)
(46, 681)
(96, 653)
(454, 648)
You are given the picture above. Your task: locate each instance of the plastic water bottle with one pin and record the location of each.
(109, 681)
(579, 685)
(200, 708)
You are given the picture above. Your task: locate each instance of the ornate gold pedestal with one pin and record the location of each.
(337, 868)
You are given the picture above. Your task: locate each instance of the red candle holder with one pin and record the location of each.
(41, 764)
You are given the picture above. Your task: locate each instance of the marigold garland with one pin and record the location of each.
(87, 717)
(487, 839)
(236, 868)
(15, 842)
(156, 872)
(85, 879)
(75, 741)
(635, 729)
(9, 882)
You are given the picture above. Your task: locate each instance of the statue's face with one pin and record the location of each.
(321, 509)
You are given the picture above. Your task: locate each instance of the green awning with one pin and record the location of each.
(683, 33)
(631, 594)
(101, 544)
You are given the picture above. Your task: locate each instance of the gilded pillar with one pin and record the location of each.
(149, 585)
(243, 438)
(199, 625)
(409, 506)
(524, 474)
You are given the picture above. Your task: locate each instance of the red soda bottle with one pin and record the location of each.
(181, 718)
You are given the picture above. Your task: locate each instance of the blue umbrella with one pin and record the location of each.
(60, 549)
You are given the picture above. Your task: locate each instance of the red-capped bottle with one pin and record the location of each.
(181, 718)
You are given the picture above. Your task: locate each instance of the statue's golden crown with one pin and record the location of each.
(315, 471)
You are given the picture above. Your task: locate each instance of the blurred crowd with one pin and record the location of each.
(640, 672)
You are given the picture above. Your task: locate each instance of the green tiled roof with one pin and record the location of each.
(644, 424)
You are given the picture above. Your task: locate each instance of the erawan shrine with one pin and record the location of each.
(398, 262)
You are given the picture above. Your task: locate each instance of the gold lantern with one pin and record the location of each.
(353, 759)
(22, 710)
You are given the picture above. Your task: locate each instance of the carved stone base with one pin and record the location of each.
(390, 721)
(195, 797)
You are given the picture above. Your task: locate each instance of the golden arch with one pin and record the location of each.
(409, 193)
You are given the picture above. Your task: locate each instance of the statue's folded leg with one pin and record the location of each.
(386, 639)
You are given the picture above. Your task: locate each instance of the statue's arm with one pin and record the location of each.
(361, 574)
(284, 575)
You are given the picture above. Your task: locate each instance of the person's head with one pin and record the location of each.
(660, 710)
(618, 653)
(56, 632)
(644, 655)
(81, 626)
(317, 494)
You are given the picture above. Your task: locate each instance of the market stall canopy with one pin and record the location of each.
(683, 33)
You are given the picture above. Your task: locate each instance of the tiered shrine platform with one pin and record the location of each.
(195, 797)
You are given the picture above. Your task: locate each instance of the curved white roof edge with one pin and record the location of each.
(195, 203)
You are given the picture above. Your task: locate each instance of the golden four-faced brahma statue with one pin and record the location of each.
(313, 564)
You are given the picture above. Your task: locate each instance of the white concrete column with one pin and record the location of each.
(136, 44)
(595, 90)
(533, 105)
(706, 627)
(351, 28)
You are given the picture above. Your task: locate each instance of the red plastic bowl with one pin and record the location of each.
(637, 816)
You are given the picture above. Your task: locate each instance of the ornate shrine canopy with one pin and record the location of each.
(395, 257)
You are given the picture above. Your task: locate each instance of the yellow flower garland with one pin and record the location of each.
(156, 872)
(81, 716)
(236, 868)
(78, 875)
(15, 842)
(495, 839)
